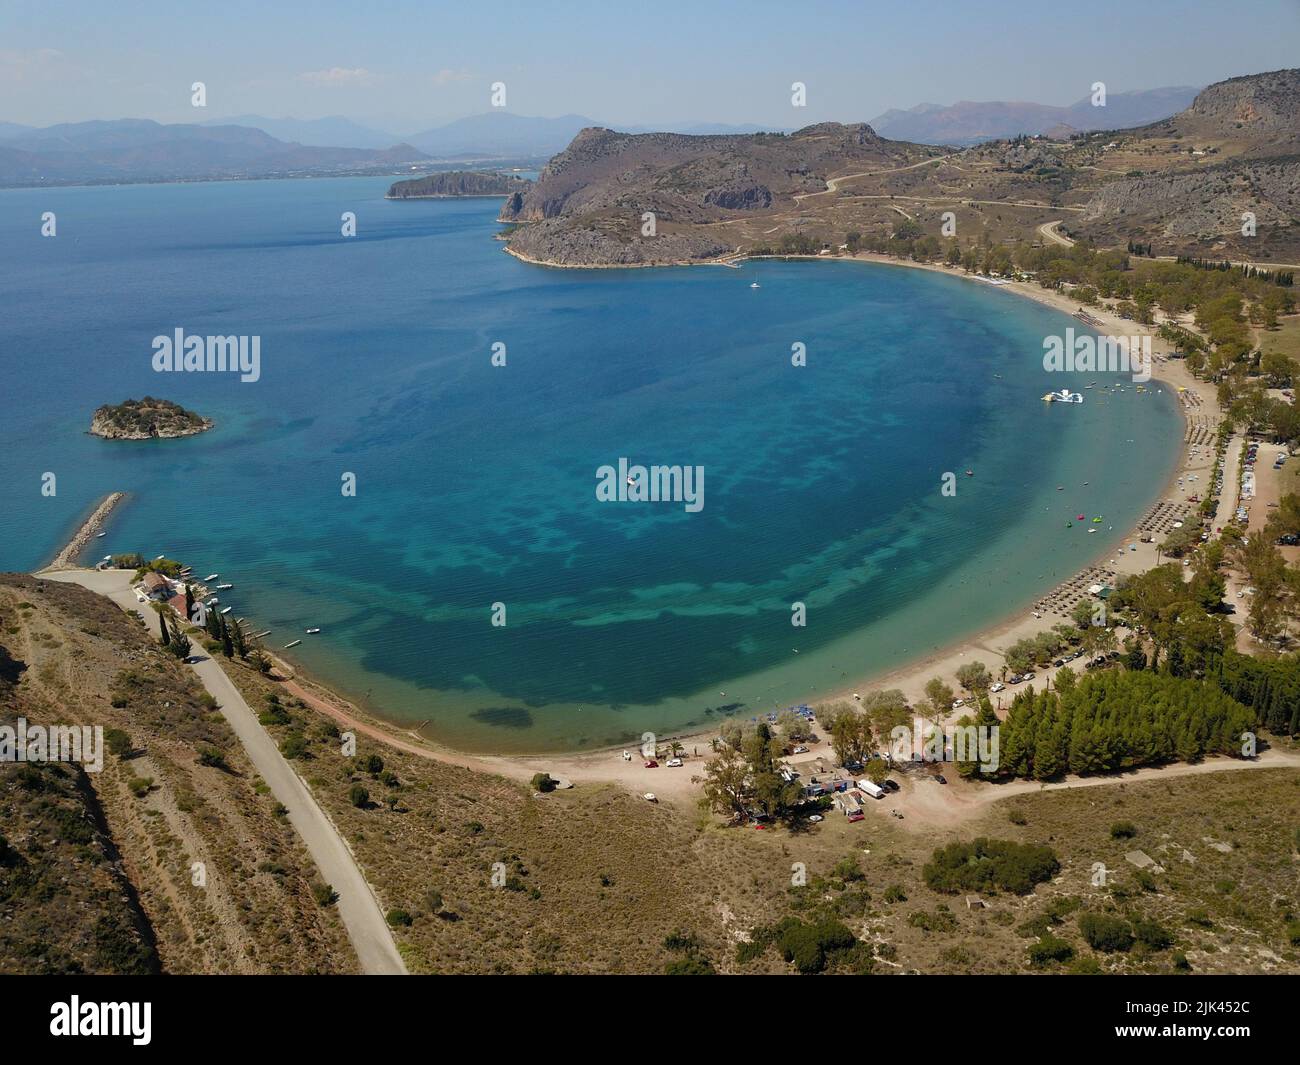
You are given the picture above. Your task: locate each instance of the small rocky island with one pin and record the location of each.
(458, 183)
(146, 419)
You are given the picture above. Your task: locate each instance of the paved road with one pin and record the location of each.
(362, 916)
(1049, 233)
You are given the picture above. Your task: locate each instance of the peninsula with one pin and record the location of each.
(458, 184)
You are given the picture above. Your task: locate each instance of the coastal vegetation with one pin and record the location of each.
(1116, 721)
(146, 419)
(458, 183)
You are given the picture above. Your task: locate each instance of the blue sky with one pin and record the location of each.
(405, 66)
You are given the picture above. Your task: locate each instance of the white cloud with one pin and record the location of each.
(446, 76)
(338, 76)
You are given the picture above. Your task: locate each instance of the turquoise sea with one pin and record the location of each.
(476, 484)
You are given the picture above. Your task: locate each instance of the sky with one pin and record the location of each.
(406, 66)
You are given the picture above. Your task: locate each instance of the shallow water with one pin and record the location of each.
(476, 484)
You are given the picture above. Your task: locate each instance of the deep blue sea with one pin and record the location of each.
(476, 484)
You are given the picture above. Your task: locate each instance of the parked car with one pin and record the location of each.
(999, 686)
(674, 763)
(801, 750)
(889, 785)
(650, 763)
(814, 818)
(941, 778)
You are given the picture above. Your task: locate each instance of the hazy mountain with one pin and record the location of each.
(334, 131)
(969, 122)
(133, 149)
(500, 134)
(12, 129)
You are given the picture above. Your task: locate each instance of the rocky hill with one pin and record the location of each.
(1181, 184)
(589, 205)
(455, 183)
(1236, 150)
(146, 419)
(1261, 110)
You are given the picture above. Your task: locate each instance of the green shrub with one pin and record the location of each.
(1123, 830)
(399, 919)
(358, 796)
(118, 742)
(210, 756)
(324, 894)
(1152, 934)
(990, 865)
(1049, 949)
(1105, 932)
(294, 745)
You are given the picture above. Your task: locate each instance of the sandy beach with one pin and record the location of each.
(1200, 412)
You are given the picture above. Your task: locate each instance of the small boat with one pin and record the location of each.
(1069, 525)
(224, 587)
(294, 644)
(212, 576)
(1060, 488)
(227, 610)
(755, 284)
(100, 536)
(1080, 517)
(970, 473)
(160, 558)
(312, 632)
(211, 601)
(1096, 521)
(259, 635)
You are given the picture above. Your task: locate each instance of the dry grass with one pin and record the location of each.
(78, 656)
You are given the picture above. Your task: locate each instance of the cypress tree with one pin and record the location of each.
(164, 638)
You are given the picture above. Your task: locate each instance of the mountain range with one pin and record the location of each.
(968, 123)
(132, 149)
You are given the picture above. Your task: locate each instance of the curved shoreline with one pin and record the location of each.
(906, 673)
(910, 674)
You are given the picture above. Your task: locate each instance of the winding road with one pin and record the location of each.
(357, 905)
